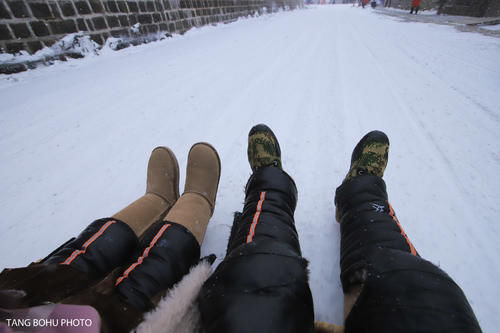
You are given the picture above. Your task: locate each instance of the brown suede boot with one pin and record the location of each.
(162, 190)
(196, 205)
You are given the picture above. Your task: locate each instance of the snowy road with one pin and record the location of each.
(75, 137)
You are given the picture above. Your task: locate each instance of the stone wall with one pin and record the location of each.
(493, 9)
(466, 7)
(32, 24)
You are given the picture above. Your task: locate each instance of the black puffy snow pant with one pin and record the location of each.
(401, 292)
(262, 284)
(108, 267)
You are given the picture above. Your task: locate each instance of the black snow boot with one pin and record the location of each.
(104, 245)
(165, 254)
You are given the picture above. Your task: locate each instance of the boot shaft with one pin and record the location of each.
(203, 172)
(165, 254)
(104, 245)
(271, 198)
(163, 175)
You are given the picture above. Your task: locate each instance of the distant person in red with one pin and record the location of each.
(364, 3)
(415, 6)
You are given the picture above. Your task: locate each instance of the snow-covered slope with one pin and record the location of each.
(75, 137)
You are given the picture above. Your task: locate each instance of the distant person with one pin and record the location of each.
(415, 6)
(118, 268)
(387, 3)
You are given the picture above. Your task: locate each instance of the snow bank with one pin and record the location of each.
(73, 45)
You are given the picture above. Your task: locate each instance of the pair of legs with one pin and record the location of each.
(124, 264)
(415, 8)
(262, 284)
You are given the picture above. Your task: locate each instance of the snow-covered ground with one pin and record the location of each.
(495, 27)
(75, 137)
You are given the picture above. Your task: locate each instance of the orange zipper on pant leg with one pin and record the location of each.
(256, 216)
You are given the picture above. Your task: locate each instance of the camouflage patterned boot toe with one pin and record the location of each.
(370, 155)
(263, 148)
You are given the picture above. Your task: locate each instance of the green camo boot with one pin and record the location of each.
(370, 155)
(263, 148)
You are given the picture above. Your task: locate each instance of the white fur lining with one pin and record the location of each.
(177, 311)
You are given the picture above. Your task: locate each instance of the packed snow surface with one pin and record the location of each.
(492, 27)
(75, 138)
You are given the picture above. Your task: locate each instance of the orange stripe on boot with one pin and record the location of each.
(76, 253)
(251, 232)
(144, 255)
(391, 213)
